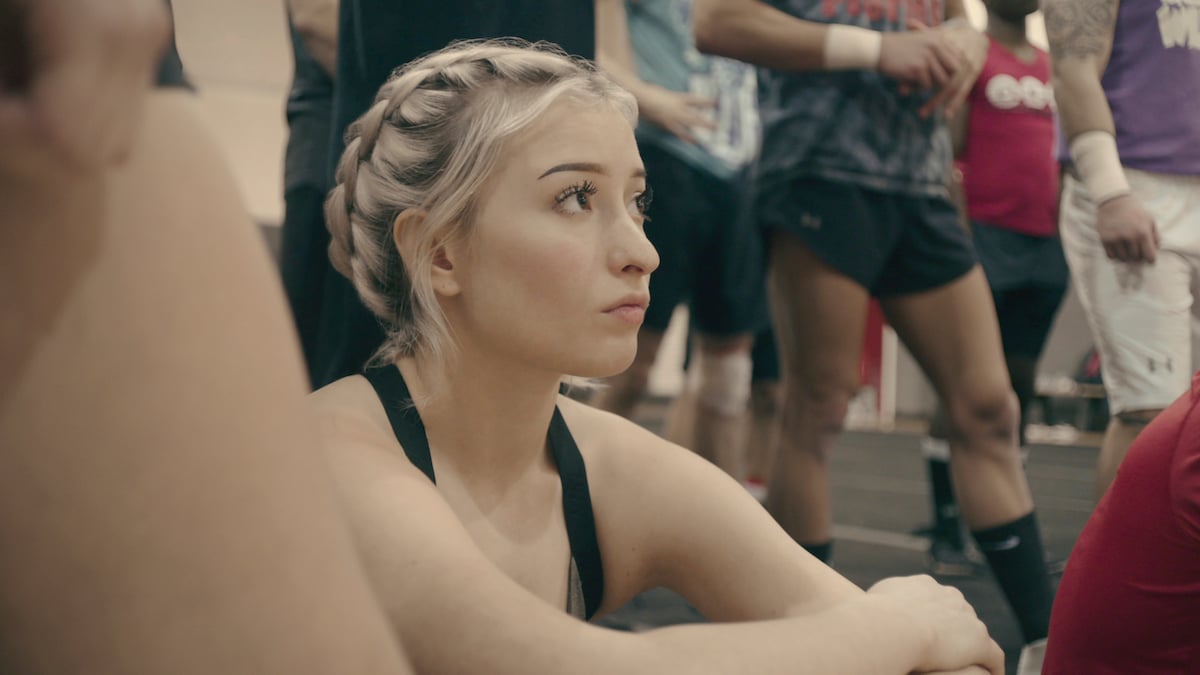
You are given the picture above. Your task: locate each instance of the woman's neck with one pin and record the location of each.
(488, 419)
(1007, 32)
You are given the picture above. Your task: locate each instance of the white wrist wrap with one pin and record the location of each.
(852, 48)
(1099, 165)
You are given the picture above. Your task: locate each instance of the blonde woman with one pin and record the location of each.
(489, 209)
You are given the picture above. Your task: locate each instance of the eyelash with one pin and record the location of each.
(644, 200)
(586, 187)
(589, 188)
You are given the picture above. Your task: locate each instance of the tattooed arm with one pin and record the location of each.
(1081, 35)
(1081, 38)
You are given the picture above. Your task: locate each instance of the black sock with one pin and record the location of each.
(1014, 552)
(947, 526)
(1022, 370)
(822, 552)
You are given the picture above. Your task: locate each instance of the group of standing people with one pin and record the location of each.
(816, 149)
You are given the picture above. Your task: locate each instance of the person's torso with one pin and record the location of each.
(539, 530)
(660, 32)
(377, 36)
(309, 111)
(853, 126)
(1130, 598)
(1152, 83)
(1010, 175)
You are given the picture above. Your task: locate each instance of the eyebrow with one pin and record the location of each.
(586, 167)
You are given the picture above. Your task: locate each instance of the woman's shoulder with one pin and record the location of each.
(615, 447)
(350, 414)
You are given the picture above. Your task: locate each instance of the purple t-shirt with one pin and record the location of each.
(1153, 85)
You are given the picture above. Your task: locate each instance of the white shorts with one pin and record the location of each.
(1139, 314)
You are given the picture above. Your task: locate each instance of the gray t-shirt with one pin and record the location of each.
(852, 126)
(660, 32)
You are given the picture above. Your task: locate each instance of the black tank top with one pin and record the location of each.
(586, 586)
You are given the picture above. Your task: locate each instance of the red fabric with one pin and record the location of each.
(1130, 598)
(1010, 174)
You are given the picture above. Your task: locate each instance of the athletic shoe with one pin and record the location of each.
(1032, 656)
(757, 489)
(947, 559)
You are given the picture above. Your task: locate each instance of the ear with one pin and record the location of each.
(443, 273)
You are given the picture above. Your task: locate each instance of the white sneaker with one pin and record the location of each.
(1031, 659)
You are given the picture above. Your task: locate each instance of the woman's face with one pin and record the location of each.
(556, 271)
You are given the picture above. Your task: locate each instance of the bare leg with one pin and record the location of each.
(820, 316)
(716, 414)
(952, 332)
(1122, 429)
(766, 401)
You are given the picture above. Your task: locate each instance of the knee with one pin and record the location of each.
(724, 386)
(986, 418)
(818, 405)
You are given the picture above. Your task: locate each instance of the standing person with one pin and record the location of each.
(303, 255)
(698, 134)
(163, 505)
(1129, 601)
(766, 399)
(1004, 140)
(853, 192)
(489, 209)
(1127, 82)
(376, 37)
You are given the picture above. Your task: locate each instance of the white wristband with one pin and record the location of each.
(852, 48)
(1099, 165)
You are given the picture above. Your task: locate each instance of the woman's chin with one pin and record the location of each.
(606, 364)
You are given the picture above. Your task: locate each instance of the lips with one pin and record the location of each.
(633, 300)
(630, 309)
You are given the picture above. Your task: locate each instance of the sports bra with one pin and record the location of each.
(585, 586)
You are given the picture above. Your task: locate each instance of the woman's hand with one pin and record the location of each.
(957, 638)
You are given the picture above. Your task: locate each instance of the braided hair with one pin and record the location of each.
(426, 146)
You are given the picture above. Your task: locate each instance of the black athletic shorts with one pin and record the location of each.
(1028, 277)
(711, 255)
(889, 244)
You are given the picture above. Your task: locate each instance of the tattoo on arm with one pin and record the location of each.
(1080, 28)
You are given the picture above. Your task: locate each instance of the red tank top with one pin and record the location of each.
(1010, 174)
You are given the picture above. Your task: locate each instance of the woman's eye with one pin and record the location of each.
(641, 202)
(577, 198)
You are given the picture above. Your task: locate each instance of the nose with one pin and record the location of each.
(632, 252)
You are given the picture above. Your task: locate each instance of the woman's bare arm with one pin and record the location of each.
(472, 618)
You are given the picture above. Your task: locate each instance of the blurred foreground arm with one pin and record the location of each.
(163, 505)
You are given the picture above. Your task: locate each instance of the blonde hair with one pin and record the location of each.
(430, 141)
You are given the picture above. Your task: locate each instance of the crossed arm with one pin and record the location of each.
(946, 59)
(670, 520)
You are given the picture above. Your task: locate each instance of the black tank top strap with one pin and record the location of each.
(577, 511)
(576, 497)
(406, 422)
